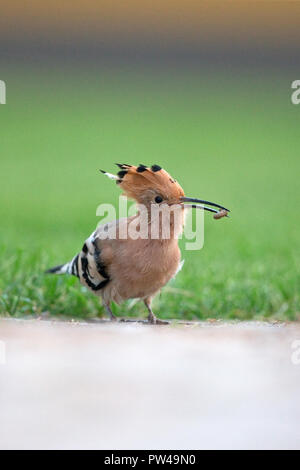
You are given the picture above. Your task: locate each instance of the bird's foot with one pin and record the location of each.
(161, 322)
(153, 320)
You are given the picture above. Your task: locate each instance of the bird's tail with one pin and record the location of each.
(67, 268)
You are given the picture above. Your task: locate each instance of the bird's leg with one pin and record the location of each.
(111, 315)
(151, 317)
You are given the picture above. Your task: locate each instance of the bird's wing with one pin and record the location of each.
(92, 271)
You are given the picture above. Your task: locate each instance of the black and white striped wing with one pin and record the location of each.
(89, 267)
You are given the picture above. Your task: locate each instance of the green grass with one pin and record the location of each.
(229, 139)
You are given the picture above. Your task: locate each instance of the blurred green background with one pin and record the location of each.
(235, 142)
(226, 131)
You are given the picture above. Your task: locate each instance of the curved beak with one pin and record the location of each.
(203, 205)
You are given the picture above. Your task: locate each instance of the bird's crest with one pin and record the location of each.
(134, 180)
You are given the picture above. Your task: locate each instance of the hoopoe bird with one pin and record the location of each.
(117, 267)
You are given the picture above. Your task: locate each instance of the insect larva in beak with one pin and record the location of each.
(220, 214)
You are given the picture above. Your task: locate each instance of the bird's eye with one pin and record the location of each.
(158, 199)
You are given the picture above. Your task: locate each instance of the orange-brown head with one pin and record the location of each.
(153, 185)
(149, 184)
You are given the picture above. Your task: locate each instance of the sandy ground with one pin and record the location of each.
(130, 386)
